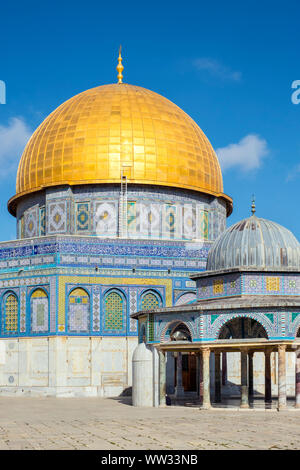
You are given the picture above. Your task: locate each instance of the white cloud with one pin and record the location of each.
(294, 173)
(217, 69)
(247, 154)
(13, 139)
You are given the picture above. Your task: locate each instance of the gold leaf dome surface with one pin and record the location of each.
(98, 133)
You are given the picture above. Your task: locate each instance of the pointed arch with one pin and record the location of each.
(225, 318)
(39, 311)
(150, 300)
(242, 328)
(180, 332)
(172, 325)
(114, 311)
(11, 313)
(79, 311)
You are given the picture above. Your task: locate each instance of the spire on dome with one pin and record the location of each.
(120, 67)
(253, 208)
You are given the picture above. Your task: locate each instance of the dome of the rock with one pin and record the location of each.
(98, 134)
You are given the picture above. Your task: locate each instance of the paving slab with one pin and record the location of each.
(113, 424)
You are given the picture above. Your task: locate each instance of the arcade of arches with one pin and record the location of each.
(197, 364)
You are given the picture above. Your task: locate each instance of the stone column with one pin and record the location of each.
(162, 378)
(297, 376)
(179, 390)
(268, 381)
(217, 377)
(200, 378)
(250, 373)
(206, 382)
(244, 384)
(224, 368)
(281, 377)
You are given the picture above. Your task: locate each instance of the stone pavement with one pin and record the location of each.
(102, 423)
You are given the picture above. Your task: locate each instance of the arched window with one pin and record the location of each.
(113, 311)
(39, 311)
(150, 301)
(79, 311)
(11, 314)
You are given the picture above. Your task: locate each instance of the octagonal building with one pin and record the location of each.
(119, 197)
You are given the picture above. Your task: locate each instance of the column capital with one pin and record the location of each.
(244, 350)
(206, 351)
(282, 347)
(268, 351)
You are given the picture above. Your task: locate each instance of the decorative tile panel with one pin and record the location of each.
(273, 283)
(82, 216)
(39, 306)
(22, 310)
(42, 221)
(79, 311)
(189, 221)
(96, 308)
(31, 223)
(131, 217)
(133, 309)
(106, 219)
(203, 224)
(57, 217)
(218, 286)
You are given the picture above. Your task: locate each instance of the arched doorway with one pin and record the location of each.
(180, 332)
(241, 328)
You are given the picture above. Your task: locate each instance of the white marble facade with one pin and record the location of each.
(66, 366)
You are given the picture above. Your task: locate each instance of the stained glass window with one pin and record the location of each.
(149, 301)
(11, 314)
(113, 312)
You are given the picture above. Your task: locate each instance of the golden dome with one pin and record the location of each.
(97, 134)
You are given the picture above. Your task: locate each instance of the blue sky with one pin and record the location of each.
(230, 65)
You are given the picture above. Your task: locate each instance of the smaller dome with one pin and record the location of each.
(255, 243)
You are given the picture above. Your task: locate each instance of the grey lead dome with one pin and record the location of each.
(257, 243)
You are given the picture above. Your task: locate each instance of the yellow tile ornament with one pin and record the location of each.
(273, 284)
(218, 286)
